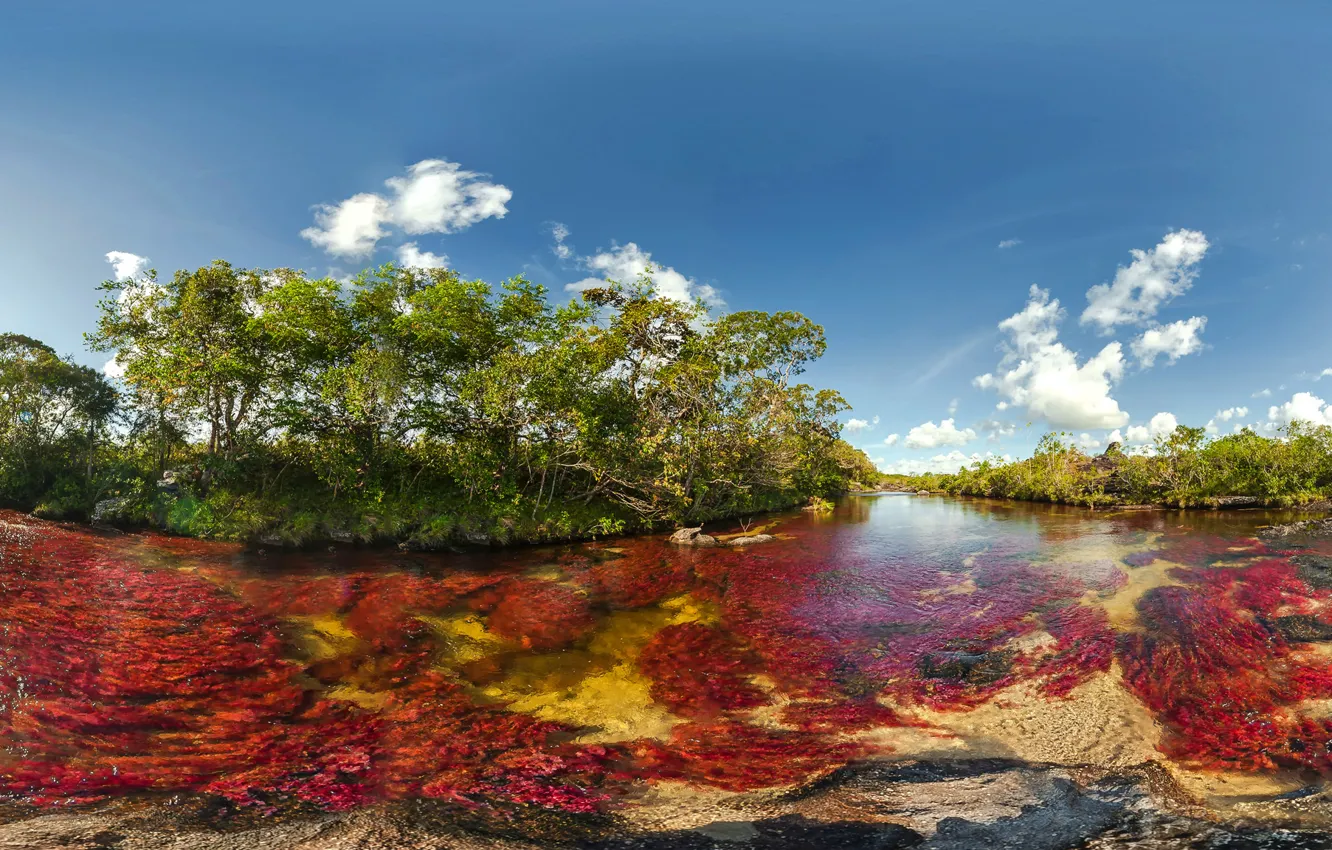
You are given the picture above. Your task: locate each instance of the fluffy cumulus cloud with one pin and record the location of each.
(1302, 407)
(930, 436)
(412, 257)
(1039, 374)
(434, 196)
(941, 463)
(855, 426)
(126, 266)
(627, 263)
(1174, 340)
(132, 270)
(1009, 243)
(892, 439)
(1151, 280)
(1161, 425)
(1086, 442)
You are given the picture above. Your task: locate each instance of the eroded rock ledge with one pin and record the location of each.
(952, 805)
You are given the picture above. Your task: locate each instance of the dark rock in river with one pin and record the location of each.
(1306, 528)
(1301, 628)
(978, 668)
(1313, 570)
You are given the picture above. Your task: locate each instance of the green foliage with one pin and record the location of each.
(415, 405)
(1183, 468)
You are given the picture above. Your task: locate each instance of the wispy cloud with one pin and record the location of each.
(1009, 243)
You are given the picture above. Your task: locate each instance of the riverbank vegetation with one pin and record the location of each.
(414, 405)
(1185, 468)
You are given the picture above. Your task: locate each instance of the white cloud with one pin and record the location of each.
(1232, 413)
(1323, 374)
(996, 429)
(892, 439)
(126, 266)
(930, 436)
(1161, 425)
(1009, 243)
(855, 426)
(1152, 279)
(1087, 442)
(1304, 407)
(1174, 340)
(874, 421)
(1114, 437)
(1264, 393)
(1040, 374)
(412, 257)
(560, 233)
(434, 197)
(952, 407)
(944, 463)
(113, 369)
(627, 263)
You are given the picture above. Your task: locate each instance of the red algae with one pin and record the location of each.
(698, 671)
(147, 663)
(1224, 681)
(540, 614)
(736, 756)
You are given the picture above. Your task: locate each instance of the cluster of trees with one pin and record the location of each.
(1184, 469)
(412, 402)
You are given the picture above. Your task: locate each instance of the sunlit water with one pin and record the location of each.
(654, 683)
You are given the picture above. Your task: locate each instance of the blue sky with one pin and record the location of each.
(861, 162)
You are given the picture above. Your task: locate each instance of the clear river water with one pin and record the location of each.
(905, 671)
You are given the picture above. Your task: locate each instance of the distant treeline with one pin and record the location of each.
(414, 405)
(1183, 469)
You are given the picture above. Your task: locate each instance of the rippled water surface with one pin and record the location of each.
(651, 684)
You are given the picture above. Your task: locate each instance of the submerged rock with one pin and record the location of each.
(978, 668)
(1301, 628)
(1314, 570)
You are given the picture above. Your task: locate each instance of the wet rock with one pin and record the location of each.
(1319, 528)
(1314, 570)
(1301, 628)
(789, 832)
(922, 492)
(978, 668)
(692, 537)
(751, 539)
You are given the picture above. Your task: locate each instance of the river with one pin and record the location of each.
(905, 671)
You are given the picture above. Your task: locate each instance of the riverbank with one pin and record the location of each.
(1186, 469)
(425, 525)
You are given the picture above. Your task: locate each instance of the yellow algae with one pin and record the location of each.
(614, 705)
(1121, 606)
(464, 638)
(369, 700)
(600, 687)
(321, 638)
(623, 634)
(686, 608)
